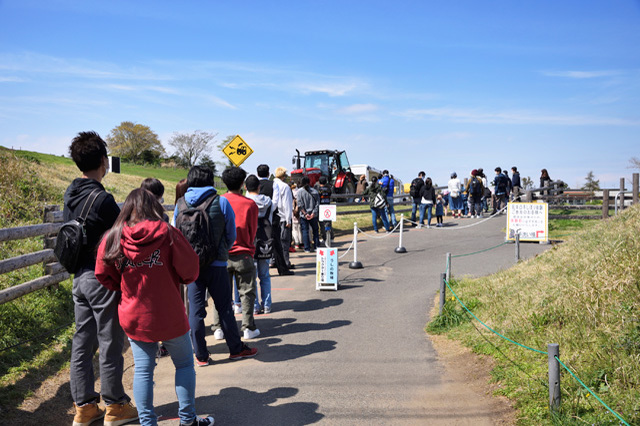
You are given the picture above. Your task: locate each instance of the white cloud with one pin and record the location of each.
(516, 117)
(582, 74)
(11, 80)
(358, 109)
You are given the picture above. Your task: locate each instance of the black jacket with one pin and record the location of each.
(100, 219)
(418, 183)
(428, 193)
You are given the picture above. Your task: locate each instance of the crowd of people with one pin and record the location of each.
(139, 270)
(471, 198)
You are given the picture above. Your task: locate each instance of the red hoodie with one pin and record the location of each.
(157, 260)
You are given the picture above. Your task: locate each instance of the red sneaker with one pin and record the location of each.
(246, 352)
(292, 249)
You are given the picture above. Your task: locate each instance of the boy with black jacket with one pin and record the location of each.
(96, 308)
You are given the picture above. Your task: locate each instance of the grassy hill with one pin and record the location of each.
(583, 295)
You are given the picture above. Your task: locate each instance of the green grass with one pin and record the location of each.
(584, 295)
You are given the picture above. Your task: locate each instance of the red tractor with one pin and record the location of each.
(332, 164)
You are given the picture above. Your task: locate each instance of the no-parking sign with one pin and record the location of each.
(328, 212)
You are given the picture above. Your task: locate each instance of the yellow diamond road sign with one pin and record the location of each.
(237, 150)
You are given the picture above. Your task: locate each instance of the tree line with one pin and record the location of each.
(138, 144)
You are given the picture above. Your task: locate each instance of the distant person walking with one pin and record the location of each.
(414, 191)
(516, 190)
(360, 187)
(455, 197)
(500, 185)
(95, 307)
(388, 185)
(147, 260)
(427, 201)
(475, 191)
(545, 180)
(309, 205)
(377, 200)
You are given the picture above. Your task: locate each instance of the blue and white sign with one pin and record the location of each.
(327, 268)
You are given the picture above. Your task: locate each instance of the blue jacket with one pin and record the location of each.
(195, 196)
(388, 183)
(515, 179)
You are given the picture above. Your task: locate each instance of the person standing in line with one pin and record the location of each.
(324, 192)
(265, 215)
(95, 307)
(240, 265)
(376, 211)
(360, 187)
(309, 205)
(509, 185)
(427, 200)
(486, 193)
(439, 210)
(213, 278)
(475, 191)
(517, 185)
(388, 185)
(545, 181)
(266, 188)
(296, 231)
(147, 259)
(414, 191)
(455, 197)
(500, 187)
(285, 212)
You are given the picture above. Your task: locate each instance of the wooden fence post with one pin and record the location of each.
(51, 215)
(605, 203)
(635, 188)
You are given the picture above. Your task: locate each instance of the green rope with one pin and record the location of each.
(481, 251)
(489, 328)
(591, 392)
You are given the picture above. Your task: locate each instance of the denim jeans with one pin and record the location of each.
(262, 268)
(216, 280)
(375, 213)
(415, 208)
(429, 209)
(305, 224)
(144, 358)
(389, 211)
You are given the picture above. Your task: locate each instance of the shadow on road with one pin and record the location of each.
(244, 407)
(306, 305)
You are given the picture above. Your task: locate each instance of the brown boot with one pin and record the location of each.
(87, 414)
(120, 414)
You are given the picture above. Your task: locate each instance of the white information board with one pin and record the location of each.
(530, 220)
(327, 268)
(327, 212)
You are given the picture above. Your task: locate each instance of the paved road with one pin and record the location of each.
(358, 355)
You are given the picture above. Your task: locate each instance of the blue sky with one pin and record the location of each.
(405, 85)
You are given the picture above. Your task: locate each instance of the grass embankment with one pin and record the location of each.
(583, 295)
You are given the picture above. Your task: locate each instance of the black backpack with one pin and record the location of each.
(264, 237)
(475, 188)
(414, 189)
(193, 222)
(73, 236)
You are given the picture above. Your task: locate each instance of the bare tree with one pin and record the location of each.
(228, 163)
(190, 146)
(527, 182)
(634, 163)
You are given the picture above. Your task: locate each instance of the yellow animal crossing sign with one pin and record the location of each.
(237, 150)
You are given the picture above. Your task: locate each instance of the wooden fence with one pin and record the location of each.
(54, 273)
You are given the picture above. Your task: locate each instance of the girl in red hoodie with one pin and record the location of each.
(147, 260)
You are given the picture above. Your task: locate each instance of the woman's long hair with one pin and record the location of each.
(139, 206)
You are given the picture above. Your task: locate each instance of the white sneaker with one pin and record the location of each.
(419, 226)
(218, 334)
(237, 309)
(251, 334)
(267, 310)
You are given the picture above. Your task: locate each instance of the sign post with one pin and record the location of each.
(327, 269)
(237, 151)
(528, 220)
